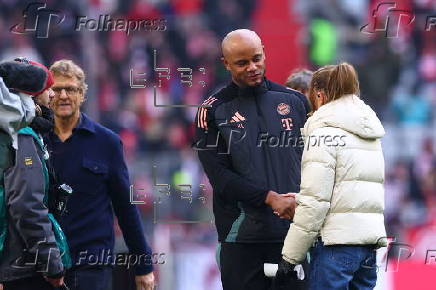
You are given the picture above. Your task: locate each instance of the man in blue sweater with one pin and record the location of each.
(89, 157)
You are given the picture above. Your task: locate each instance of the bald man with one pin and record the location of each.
(248, 141)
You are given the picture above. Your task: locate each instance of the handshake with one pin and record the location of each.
(283, 205)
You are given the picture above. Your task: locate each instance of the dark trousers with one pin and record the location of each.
(241, 266)
(34, 283)
(89, 278)
(342, 267)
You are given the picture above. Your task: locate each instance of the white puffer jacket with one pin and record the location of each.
(342, 195)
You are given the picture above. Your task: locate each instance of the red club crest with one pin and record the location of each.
(283, 109)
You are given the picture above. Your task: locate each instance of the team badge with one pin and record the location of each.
(283, 109)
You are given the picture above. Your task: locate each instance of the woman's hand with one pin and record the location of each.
(284, 206)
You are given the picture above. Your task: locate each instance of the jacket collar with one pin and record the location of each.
(85, 124)
(251, 91)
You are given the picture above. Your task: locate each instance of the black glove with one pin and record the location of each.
(24, 77)
(285, 273)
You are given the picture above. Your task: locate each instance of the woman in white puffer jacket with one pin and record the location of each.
(341, 200)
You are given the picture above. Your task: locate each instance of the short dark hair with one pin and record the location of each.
(299, 80)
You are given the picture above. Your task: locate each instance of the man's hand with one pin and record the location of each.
(283, 205)
(55, 282)
(1, 286)
(145, 282)
(285, 274)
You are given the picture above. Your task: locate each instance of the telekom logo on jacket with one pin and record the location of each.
(287, 124)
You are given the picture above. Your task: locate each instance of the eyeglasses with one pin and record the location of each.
(70, 91)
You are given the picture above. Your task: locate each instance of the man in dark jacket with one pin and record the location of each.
(248, 141)
(90, 158)
(31, 256)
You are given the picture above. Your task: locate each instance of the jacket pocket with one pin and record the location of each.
(94, 166)
(93, 177)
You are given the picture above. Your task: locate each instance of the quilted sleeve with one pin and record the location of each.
(313, 201)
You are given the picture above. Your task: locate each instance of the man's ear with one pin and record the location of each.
(82, 99)
(225, 63)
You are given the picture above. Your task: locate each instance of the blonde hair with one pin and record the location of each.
(68, 68)
(335, 80)
(342, 81)
(320, 79)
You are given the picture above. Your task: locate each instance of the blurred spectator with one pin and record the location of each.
(299, 80)
(396, 188)
(412, 109)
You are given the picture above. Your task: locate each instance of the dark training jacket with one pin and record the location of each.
(248, 141)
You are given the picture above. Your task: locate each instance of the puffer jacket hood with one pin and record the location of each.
(349, 113)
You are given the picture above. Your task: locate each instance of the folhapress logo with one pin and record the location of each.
(106, 23)
(38, 19)
(388, 19)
